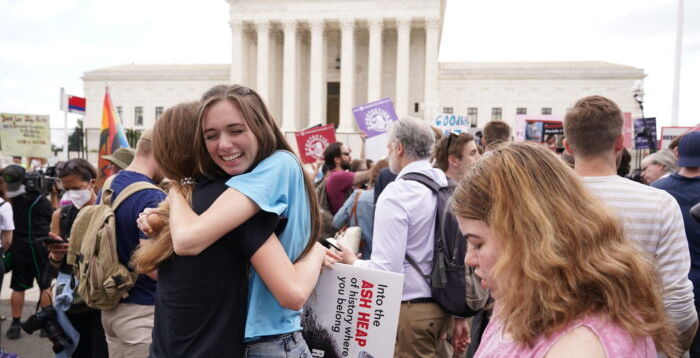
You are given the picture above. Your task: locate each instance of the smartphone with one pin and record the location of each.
(48, 240)
(330, 242)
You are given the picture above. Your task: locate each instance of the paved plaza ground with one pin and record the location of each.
(28, 346)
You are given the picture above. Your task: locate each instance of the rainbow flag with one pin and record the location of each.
(112, 135)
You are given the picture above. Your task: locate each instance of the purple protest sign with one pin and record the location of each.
(374, 118)
(645, 133)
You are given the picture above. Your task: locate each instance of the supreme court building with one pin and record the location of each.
(313, 60)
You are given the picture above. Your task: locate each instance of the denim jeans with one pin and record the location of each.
(288, 345)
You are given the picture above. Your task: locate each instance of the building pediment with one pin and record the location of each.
(276, 10)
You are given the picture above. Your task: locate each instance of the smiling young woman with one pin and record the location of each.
(237, 138)
(202, 298)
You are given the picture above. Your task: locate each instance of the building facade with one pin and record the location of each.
(313, 60)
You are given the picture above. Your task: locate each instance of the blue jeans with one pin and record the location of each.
(288, 345)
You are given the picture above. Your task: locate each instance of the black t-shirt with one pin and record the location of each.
(35, 208)
(201, 300)
(67, 217)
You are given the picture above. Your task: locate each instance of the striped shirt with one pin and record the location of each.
(652, 218)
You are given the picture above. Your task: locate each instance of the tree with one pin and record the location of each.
(132, 136)
(75, 139)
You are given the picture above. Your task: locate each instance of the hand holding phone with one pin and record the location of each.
(330, 242)
(48, 240)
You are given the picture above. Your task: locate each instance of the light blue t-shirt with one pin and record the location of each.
(276, 185)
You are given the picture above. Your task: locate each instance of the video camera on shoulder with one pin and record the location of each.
(40, 181)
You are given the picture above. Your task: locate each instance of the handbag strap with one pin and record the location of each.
(353, 212)
(415, 266)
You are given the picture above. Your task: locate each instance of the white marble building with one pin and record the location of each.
(313, 60)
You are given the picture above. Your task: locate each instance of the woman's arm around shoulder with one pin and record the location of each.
(261, 188)
(192, 233)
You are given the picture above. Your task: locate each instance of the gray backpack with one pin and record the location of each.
(455, 288)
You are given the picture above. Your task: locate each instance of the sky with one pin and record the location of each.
(48, 44)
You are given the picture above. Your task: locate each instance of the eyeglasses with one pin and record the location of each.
(449, 139)
(65, 168)
(73, 166)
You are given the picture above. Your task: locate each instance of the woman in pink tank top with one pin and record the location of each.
(566, 281)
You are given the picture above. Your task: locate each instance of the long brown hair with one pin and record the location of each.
(562, 248)
(270, 139)
(172, 139)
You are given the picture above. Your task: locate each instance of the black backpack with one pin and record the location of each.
(447, 280)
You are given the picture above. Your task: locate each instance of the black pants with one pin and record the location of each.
(92, 336)
(695, 347)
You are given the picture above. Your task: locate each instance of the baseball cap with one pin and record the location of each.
(121, 157)
(689, 150)
(13, 176)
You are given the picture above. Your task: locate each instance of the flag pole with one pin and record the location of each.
(65, 135)
(677, 65)
(64, 106)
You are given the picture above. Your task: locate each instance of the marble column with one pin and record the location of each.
(262, 82)
(374, 67)
(402, 64)
(316, 74)
(347, 73)
(237, 58)
(289, 76)
(430, 95)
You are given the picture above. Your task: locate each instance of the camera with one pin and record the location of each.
(46, 318)
(40, 181)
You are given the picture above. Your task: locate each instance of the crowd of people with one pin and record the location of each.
(222, 226)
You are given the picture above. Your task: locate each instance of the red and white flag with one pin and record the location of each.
(72, 104)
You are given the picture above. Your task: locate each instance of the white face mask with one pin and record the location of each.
(16, 193)
(79, 197)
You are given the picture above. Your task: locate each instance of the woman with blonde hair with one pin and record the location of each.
(565, 279)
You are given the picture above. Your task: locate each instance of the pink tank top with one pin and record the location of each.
(615, 340)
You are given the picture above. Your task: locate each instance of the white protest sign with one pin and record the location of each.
(450, 122)
(375, 147)
(353, 312)
(25, 135)
(668, 134)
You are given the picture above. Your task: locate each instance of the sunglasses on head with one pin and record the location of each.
(66, 166)
(449, 139)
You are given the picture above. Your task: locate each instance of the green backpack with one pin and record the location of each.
(102, 280)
